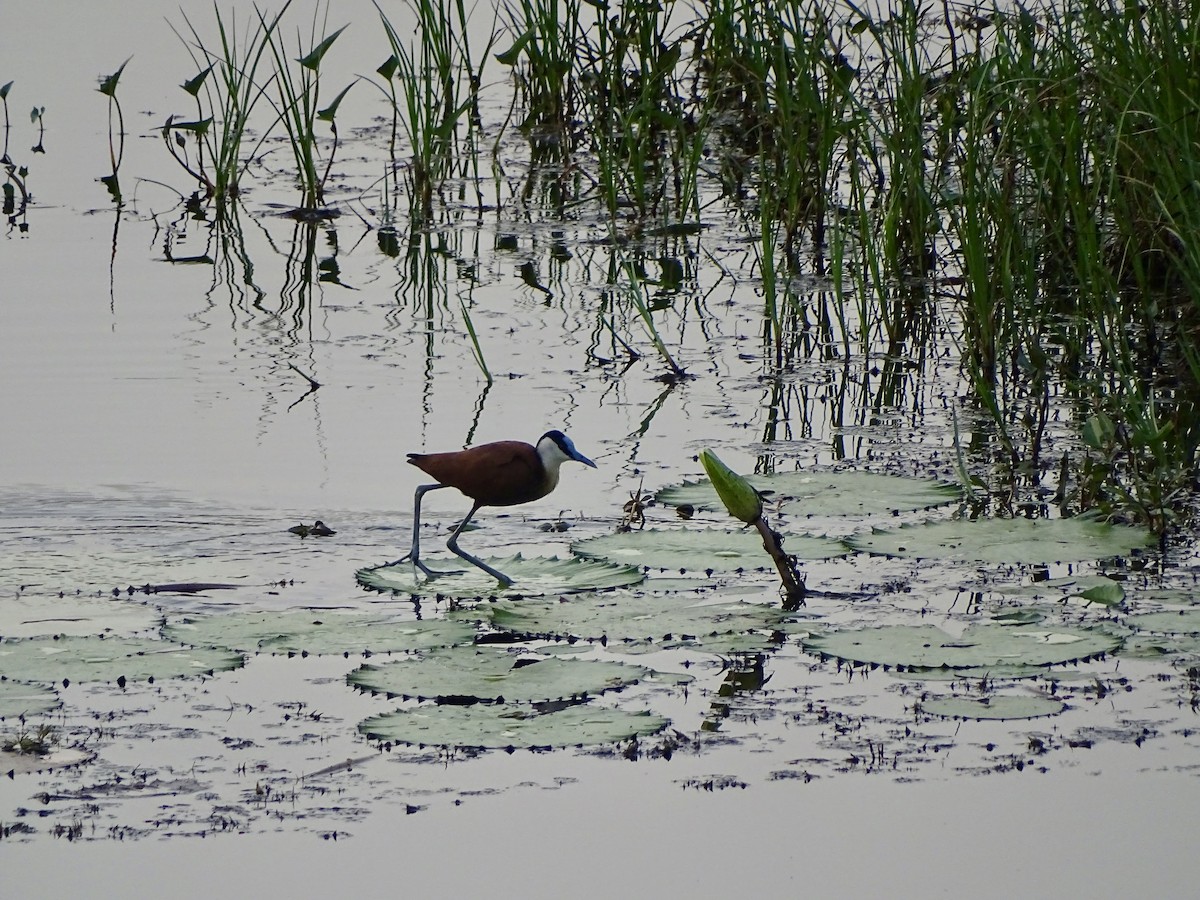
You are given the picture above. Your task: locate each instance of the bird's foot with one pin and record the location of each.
(429, 573)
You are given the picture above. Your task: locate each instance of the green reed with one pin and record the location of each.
(439, 83)
(547, 70)
(298, 88)
(1025, 184)
(226, 90)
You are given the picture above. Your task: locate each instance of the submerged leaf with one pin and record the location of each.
(489, 674)
(1030, 541)
(504, 726)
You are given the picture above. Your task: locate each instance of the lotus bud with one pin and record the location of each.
(738, 495)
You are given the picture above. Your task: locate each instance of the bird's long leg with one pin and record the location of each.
(475, 561)
(414, 554)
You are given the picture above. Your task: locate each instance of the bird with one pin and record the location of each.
(502, 473)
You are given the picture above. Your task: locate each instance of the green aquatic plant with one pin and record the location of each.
(994, 708)
(116, 134)
(68, 660)
(700, 550)
(820, 493)
(489, 674)
(299, 107)
(19, 700)
(439, 82)
(918, 647)
(534, 576)
(226, 89)
(669, 619)
(743, 502)
(316, 631)
(506, 726)
(1028, 541)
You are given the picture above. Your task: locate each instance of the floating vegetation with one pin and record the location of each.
(468, 675)
(532, 576)
(1031, 541)
(18, 700)
(999, 707)
(503, 726)
(1182, 621)
(826, 493)
(70, 660)
(668, 620)
(981, 644)
(317, 631)
(701, 549)
(36, 615)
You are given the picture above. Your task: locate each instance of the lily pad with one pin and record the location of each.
(701, 549)
(74, 659)
(999, 707)
(465, 674)
(534, 577)
(667, 619)
(1008, 540)
(507, 726)
(827, 493)
(18, 699)
(1161, 646)
(26, 616)
(318, 631)
(1183, 621)
(982, 644)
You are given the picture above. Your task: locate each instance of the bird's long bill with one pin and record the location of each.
(569, 446)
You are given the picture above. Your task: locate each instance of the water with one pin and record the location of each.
(153, 431)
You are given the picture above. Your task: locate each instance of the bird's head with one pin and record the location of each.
(555, 448)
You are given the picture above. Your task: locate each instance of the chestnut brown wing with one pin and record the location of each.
(498, 474)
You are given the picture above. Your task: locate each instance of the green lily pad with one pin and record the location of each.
(26, 616)
(701, 549)
(506, 726)
(667, 619)
(18, 699)
(491, 674)
(982, 644)
(317, 631)
(827, 493)
(1008, 540)
(533, 577)
(1000, 707)
(1161, 646)
(74, 659)
(1182, 621)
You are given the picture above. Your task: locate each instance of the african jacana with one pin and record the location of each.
(503, 473)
